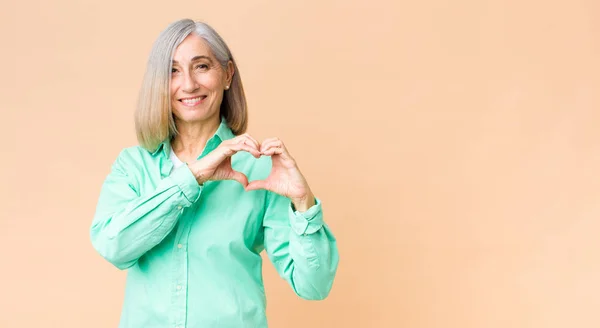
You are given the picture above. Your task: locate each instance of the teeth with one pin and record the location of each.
(191, 101)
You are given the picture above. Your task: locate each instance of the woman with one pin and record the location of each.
(190, 209)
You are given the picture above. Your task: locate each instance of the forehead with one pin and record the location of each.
(192, 46)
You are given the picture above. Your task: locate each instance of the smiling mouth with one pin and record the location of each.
(190, 102)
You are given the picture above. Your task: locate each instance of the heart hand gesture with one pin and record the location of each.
(285, 178)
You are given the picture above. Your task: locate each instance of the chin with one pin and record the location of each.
(190, 115)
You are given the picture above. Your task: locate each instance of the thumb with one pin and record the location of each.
(239, 177)
(257, 184)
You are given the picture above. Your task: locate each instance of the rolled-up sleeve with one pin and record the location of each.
(128, 223)
(301, 247)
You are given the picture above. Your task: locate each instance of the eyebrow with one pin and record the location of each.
(195, 59)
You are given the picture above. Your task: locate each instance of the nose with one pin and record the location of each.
(189, 83)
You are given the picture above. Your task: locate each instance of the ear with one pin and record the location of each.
(229, 72)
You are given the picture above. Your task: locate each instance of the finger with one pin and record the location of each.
(239, 177)
(256, 143)
(269, 143)
(272, 151)
(246, 139)
(243, 147)
(257, 184)
(273, 143)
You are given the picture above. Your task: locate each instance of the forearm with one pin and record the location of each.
(315, 259)
(124, 229)
(303, 249)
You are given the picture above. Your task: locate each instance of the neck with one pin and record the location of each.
(191, 139)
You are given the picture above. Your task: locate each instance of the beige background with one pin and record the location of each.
(455, 145)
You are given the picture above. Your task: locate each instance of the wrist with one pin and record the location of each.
(302, 204)
(200, 174)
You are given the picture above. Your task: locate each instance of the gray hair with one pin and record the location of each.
(154, 121)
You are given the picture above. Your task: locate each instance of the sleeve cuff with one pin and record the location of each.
(307, 222)
(184, 178)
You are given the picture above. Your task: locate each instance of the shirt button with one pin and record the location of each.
(178, 287)
(179, 207)
(179, 245)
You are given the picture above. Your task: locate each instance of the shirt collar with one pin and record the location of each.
(223, 133)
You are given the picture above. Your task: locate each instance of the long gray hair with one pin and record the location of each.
(154, 120)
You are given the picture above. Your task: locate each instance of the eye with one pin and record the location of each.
(174, 70)
(202, 66)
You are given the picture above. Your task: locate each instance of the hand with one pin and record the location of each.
(285, 178)
(216, 165)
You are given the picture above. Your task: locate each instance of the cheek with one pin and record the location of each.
(212, 81)
(208, 83)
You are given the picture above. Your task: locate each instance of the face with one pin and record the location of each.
(197, 81)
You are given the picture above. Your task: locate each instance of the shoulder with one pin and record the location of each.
(132, 157)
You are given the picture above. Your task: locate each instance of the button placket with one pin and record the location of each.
(180, 276)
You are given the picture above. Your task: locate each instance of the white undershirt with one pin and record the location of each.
(176, 161)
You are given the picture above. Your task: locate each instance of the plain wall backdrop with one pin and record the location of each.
(455, 146)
